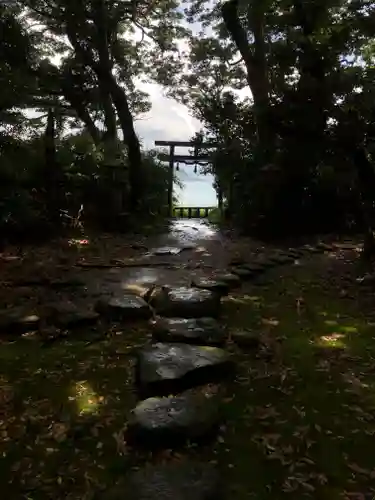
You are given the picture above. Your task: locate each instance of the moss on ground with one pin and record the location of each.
(300, 415)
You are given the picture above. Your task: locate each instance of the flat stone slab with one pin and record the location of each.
(168, 422)
(18, 320)
(323, 247)
(259, 267)
(280, 259)
(237, 261)
(166, 251)
(246, 339)
(70, 315)
(244, 273)
(201, 331)
(185, 302)
(310, 249)
(211, 284)
(168, 368)
(295, 254)
(170, 481)
(231, 279)
(127, 307)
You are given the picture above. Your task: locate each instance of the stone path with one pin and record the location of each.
(177, 405)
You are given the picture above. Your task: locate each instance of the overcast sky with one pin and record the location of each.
(169, 120)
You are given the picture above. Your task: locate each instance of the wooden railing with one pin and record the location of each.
(191, 212)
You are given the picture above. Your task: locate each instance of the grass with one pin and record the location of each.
(64, 412)
(300, 415)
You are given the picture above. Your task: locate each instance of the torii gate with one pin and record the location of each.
(194, 159)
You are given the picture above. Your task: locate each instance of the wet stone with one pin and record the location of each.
(166, 251)
(127, 307)
(203, 331)
(259, 267)
(169, 368)
(211, 284)
(170, 481)
(237, 261)
(231, 279)
(18, 320)
(168, 422)
(323, 247)
(244, 273)
(69, 315)
(295, 253)
(280, 259)
(310, 249)
(246, 339)
(185, 302)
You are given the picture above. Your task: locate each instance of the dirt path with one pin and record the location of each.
(250, 419)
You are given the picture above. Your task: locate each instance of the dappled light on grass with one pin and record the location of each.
(6, 392)
(87, 401)
(332, 340)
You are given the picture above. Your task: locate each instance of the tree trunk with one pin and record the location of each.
(130, 139)
(108, 83)
(52, 172)
(113, 92)
(77, 104)
(256, 66)
(366, 181)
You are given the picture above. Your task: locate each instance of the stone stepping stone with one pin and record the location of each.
(295, 254)
(166, 251)
(169, 368)
(260, 266)
(181, 480)
(246, 339)
(211, 284)
(237, 261)
(285, 259)
(169, 422)
(70, 315)
(278, 259)
(310, 249)
(244, 274)
(18, 320)
(127, 307)
(185, 302)
(201, 331)
(231, 279)
(324, 247)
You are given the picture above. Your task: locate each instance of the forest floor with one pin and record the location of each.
(300, 420)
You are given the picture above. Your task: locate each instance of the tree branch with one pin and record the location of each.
(235, 62)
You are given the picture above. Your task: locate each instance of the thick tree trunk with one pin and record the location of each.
(52, 172)
(108, 83)
(113, 92)
(77, 104)
(256, 66)
(313, 97)
(366, 181)
(130, 139)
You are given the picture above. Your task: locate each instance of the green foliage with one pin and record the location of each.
(288, 157)
(101, 189)
(294, 155)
